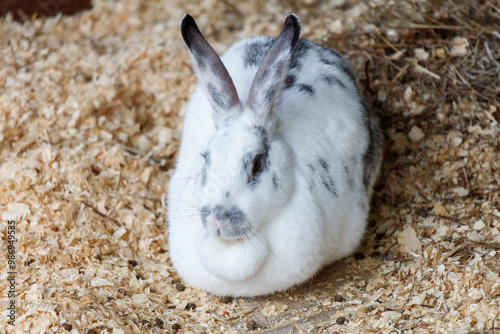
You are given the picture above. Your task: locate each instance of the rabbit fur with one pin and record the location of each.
(278, 157)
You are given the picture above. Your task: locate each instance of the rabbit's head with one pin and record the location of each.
(247, 174)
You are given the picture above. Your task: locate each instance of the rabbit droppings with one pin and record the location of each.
(276, 166)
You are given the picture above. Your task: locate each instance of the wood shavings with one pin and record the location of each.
(459, 46)
(273, 308)
(416, 134)
(15, 211)
(408, 240)
(91, 111)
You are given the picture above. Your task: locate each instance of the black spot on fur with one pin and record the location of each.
(235, 215)
(346, 69)
(203, 175)
(338, 61)
(270, 93)
(332, 80)
(200, 61)
(327, 61)
(253, 182)
(263, 77)
(217, 96)
(300, 49)
(246, 161)
(310, 179)
(326, 177)
(218, 212)
(306, 88)
(256, 51)
(323, 164)
(350, 180)
(206, 156)
(226, 194)
(329, 185)
(335, 53)
(275, 181)
(205, 211)
(289, 81)
(261, 133)
(310, 184)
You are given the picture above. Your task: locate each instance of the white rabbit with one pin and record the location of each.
(278, 157)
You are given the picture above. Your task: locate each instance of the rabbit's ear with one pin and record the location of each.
(269, 80)
(210, 71)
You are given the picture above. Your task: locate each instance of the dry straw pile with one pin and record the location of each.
(90, 112)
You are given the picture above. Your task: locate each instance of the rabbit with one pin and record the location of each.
(277, 161)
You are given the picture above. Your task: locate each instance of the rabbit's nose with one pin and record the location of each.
(221, 221)
(219, 226)
(214, 219)
(213, 223)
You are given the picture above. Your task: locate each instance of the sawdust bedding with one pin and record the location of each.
(90, 114)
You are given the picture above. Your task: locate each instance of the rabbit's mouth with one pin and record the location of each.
(226, 223)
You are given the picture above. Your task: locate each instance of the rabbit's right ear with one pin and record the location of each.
(270, 77)
(210, 71)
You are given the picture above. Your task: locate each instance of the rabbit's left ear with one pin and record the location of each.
(270, 77)
(210, 71)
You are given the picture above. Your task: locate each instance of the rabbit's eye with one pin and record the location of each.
(256, 166)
